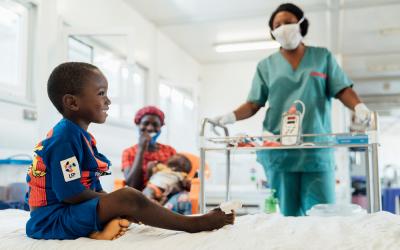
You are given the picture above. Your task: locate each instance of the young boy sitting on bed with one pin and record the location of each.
(65, 195)
(168, 179)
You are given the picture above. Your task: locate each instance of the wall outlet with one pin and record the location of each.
(30, 115)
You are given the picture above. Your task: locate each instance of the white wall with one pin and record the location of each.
(224, 87)
(152, 50)
(181, 123)
(389, 140)
(175, 65)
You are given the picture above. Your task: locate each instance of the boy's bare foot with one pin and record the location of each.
(124, 224)
(214, 219)
(113, 230)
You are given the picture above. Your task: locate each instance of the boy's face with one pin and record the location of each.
(93, 101)
(179, 163)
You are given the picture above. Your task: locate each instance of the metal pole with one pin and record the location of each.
(202, 197)
(368, 180)
(228, 175)
(228, 169)
(375, 180)
(376, 187)
(372, 169)
(202, 177)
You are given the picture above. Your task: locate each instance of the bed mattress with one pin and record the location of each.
(260, 231)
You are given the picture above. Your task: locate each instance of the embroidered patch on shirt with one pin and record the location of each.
(70, 169)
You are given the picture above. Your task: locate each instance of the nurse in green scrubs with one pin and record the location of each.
(302, 178)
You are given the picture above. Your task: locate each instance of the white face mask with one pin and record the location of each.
(288, 35)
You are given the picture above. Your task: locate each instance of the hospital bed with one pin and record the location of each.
(379, 230)
(367, 143)
(260, 231)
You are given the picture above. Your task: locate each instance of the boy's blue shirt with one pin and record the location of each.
(65, 163)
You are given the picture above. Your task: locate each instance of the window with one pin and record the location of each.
(133, 91)
(126, 82)
(14, 50)
(79, 51)
(181, 117)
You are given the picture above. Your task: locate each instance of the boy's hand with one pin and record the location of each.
(144, 140)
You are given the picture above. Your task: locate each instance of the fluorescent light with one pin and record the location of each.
(383, 68)
(246, 46)
(390, 31)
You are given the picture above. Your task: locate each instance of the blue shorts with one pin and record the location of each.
(64, 221)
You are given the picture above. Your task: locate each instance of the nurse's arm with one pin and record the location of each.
(246, 110)
(348, 97)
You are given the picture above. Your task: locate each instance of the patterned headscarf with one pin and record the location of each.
(149, 110)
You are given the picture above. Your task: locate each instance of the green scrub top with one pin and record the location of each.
(316, 80)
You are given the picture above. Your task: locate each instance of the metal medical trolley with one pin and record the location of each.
(228, 145)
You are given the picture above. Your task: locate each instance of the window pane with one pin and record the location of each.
(79, 51)
(13, 48)
(180, 112)
(126, 83)
(9, 27)
(133, 84)
(111, 68)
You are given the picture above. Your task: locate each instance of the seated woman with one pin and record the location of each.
(138, 160)
(168, 179)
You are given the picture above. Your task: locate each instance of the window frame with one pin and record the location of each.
(186, 94)
(104, 31)
(26, 59)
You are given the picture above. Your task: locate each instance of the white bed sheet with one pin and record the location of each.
(260, 231)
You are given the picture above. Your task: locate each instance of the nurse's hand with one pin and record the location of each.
(362, 115)
(223, 120)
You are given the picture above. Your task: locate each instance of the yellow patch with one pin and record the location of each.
(33, 169)
(38, 147)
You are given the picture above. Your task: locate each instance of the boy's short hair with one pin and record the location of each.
(67, 78)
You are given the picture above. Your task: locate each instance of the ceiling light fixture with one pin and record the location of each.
(246, 46)
(384, 68)
(390, 31)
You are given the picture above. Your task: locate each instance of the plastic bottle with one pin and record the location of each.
(271, 204)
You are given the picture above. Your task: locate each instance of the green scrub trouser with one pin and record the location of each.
(297, 192)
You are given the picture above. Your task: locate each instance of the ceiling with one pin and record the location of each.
(366, 33)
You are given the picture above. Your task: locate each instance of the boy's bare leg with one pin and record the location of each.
(132, 204)
(113, 230)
